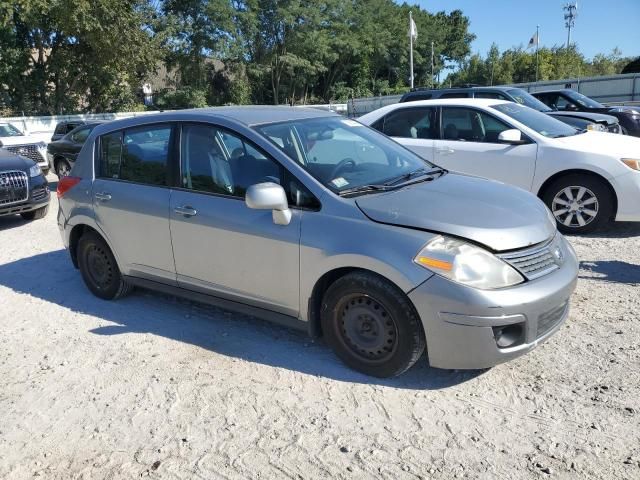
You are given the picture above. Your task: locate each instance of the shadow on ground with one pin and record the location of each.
(11, 221)
(613, 271)
(616, 230)
(208, 327)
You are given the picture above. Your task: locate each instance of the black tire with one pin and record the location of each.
(595, 188)
(99, 268)
(36, 214)
(382, 320)
(62, 167)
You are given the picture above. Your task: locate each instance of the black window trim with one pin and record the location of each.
(527, 138)
(283, 170)
(171, 154)
(409, 107)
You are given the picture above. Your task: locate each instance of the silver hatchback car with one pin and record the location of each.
(315, 221)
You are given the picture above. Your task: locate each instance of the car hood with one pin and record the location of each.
(17, 140)
(491, 213)
(602, 143)
(594, 117)
(11, 161)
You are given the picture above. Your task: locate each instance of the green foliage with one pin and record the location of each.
(185, 97)
(519, 66)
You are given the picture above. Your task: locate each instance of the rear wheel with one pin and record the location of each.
(99, 269)
(580, 203)
(63, 168)
(371, 325)
(35, 214)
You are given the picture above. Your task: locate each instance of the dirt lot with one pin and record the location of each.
(159, 387)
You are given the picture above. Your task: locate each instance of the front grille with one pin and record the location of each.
(14, 187)
(39, 193)
(550, 319)
(29, 151)
(533, 262)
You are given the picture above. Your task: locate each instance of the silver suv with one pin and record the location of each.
(318, 222)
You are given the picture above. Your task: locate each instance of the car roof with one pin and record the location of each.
(419, 91)
(480, 102)
(247, 115)
(558, 90)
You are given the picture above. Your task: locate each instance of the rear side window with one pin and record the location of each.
(419, 96)
(110, 153)
(61, 129)
(419, 122)
(138, 154)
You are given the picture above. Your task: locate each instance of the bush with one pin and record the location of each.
(186, 97)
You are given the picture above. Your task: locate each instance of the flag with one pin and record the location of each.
(534, 41)
(413, 30)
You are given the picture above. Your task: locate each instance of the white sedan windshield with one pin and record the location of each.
(8, 130)
(538, 121)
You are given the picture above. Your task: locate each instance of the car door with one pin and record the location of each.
(470, 145)
(221, 246)
(413, 127)
(131, 199)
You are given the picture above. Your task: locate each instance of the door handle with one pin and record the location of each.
(103, 196)
(445, 151)
(186, 211)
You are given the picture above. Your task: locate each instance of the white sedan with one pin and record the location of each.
(585, 178)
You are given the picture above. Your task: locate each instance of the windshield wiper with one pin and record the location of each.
(416, 173)
(366, 188)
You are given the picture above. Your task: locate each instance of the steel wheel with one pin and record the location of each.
(575, 206)
(367, 329)
(99, 266)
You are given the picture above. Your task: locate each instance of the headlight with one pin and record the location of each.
(631, 163)
(467, 264)
(596, 127)
(35, 171)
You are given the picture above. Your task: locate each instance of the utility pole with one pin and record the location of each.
(571, 12)
(412, 35)
(431, 64)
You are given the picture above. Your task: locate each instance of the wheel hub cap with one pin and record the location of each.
(575, 206)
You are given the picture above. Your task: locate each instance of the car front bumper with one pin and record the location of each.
(39, 197)
(461, 322)
(627, 189)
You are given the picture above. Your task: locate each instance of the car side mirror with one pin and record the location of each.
(512, 136)
(269, 196)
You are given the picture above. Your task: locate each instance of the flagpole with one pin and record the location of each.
(537, 46)
(411, 48)
(431, 65)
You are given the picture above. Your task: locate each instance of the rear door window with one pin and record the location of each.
(139, 154)
(419, 122)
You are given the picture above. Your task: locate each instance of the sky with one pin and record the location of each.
(601, 25)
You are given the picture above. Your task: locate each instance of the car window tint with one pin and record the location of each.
(454, 95)
(421, 96)
(562, 103)
(81, 135)
(469, 125)
(492, 95)
(416, 122)
(145, 154)
(110, 153)
(60, 129)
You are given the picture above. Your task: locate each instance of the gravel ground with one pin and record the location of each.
(159, 387)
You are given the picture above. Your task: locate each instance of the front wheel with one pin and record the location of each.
(371, 325)
(580, 203)
(99, 268)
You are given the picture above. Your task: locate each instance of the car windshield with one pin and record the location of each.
(538, 121)
(525, 98)
(343, 154)
(8, 130)
(582, 100)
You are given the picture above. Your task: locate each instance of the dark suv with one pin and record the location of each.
(23, 188)
(62, 128)
(580, 120)
(570, 101)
